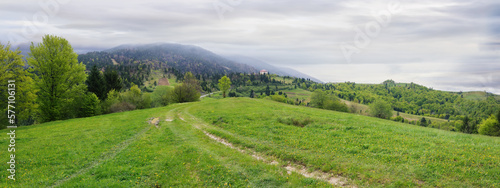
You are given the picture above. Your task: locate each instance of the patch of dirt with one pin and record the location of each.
(154, 121)
(163, 82)
(330, 178)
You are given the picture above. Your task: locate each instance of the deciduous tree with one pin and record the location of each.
(58, 76)
(381, 109)
(224, 85)
(12, 68)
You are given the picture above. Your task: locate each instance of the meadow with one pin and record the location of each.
(371, 152)
(124, 150)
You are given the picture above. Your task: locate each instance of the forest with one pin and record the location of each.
(126, 78)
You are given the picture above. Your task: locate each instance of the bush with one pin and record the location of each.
(278, 98)
(295, 122)
(133, 96)
(121, 107)
(89, 105)
(333, 103)
(381, 109)
(490, 127)
(320, 99)
(162, 96)
(145, 101)
(113, 98)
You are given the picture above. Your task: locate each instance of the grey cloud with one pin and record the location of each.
(429, 42)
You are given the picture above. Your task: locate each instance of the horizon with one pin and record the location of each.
(449, 46)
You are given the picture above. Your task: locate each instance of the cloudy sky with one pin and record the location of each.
(450, 45)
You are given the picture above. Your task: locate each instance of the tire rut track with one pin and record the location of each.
(333, 179)
(106, 156)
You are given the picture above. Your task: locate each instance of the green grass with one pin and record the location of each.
(300, 94)
(371, 152)
(478, 95)
(122, 150)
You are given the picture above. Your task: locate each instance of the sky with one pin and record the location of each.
(451, 45)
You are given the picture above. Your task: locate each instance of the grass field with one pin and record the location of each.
(156, 75)
(478, 95)
(123, 150)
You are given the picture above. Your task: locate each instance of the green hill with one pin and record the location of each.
(273, 145)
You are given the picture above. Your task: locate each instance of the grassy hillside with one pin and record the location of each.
(479, 95)
(123, 150)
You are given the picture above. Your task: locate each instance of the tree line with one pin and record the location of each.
(55, 86)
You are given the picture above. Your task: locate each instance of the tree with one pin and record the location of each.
(423, 122)
(224, 85)
(252, 94)
(188, 91)
(162, 96)
(318, 98)
(381, 109)
(12, 71)
(113, 81)
(498, 116)
(490, 126)
(268, 91)
(133, 96)
(89, 105)
(467, 126)
(96, 84)
(58, 76)
(333, 103)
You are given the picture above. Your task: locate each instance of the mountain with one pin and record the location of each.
(180, 57)
(259, 64)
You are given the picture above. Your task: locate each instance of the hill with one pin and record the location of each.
(215, 143)
(183, 58)
(259, 64)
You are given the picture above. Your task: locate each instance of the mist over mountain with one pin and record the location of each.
(181, 57)
(259, 64)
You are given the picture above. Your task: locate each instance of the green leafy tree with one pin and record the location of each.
(188, 91)
(113, 98)
(133, 96)
(467, 126)
(12, 68)
(58, 77)
(318, 98)
(162, 96)
(88, 105)
(490, 127)
(333, 103)
(381, 109)
(224, 85)
(96, 84)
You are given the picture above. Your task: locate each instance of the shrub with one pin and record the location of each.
(89, 105)
(121, 107)
(278, 98)
(295, 122)
(381, 109)
(113, 98)
(333, 103)
(133, 96)
(490, 127)
(146, 101)
(162, 96)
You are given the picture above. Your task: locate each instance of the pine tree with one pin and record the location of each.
(96, 84)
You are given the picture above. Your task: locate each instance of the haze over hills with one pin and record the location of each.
(259, 64)
(181, 57)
